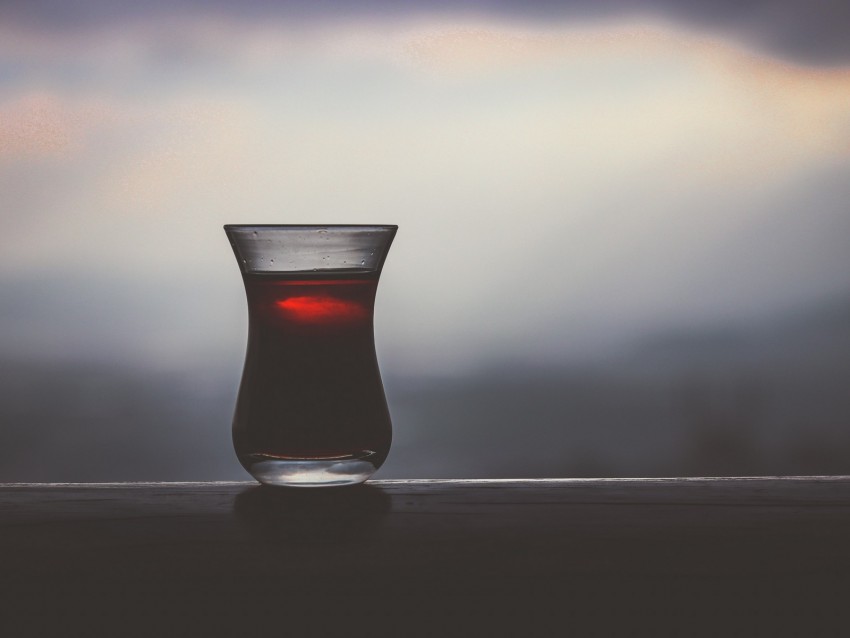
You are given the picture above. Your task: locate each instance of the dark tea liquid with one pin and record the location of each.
(311, 389)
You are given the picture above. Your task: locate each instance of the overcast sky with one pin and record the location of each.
(566, 178)
(811, 30)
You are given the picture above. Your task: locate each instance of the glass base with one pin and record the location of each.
(308, 473)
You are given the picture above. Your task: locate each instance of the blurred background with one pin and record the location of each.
(624, 244)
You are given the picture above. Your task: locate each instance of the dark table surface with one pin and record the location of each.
(684, 557)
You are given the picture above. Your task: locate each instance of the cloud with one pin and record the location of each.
(34, 125)
(813, 32)
(558, 188)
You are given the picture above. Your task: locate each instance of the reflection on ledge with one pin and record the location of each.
(339, 513)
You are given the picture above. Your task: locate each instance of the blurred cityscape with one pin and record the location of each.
(759, 400)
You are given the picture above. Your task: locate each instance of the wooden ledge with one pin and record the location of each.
(731, 556)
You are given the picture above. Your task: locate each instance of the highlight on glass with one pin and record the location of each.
(311, 409)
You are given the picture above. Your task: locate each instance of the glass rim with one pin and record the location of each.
(310, 226)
